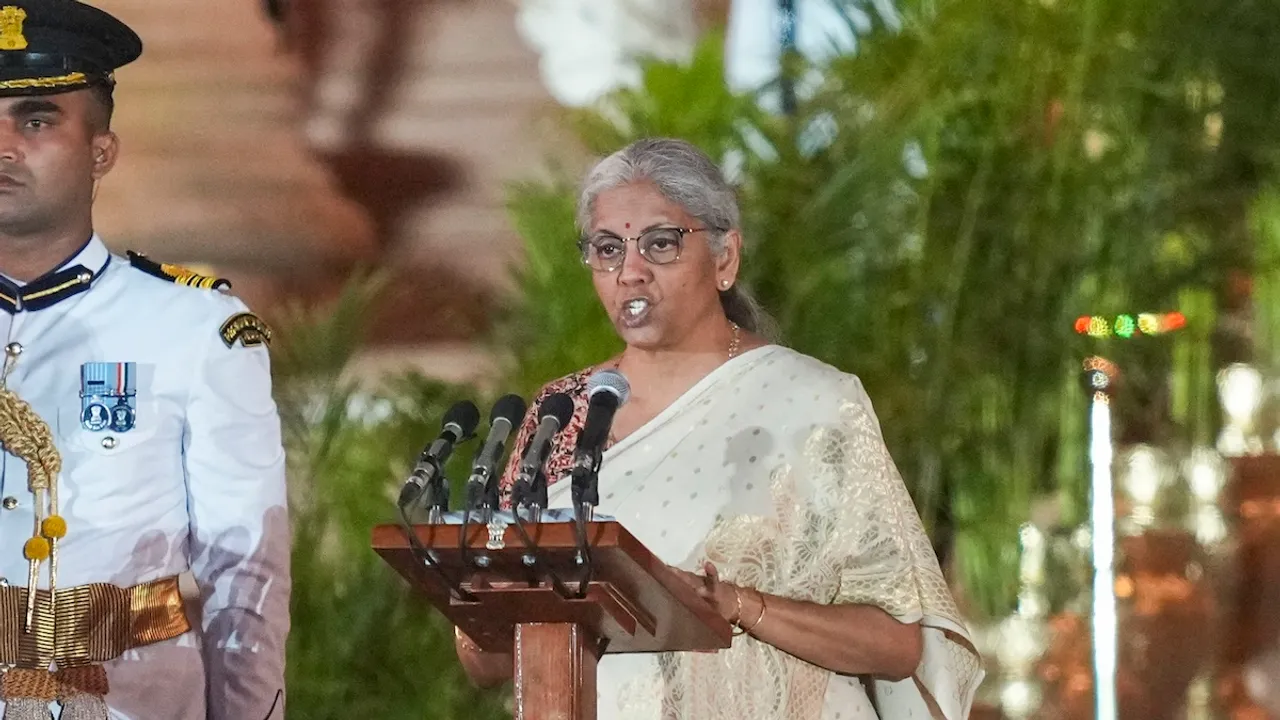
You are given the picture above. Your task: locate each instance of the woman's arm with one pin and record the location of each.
(484, 669)
(848, 639)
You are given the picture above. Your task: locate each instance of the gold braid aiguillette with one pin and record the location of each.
(28, 437)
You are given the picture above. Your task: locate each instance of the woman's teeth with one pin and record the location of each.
(635, 308)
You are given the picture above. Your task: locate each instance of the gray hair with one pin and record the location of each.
(685, 176)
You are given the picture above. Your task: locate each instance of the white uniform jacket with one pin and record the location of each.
(159, 398)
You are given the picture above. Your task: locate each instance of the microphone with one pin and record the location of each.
(607, 390)
(555, 412)
(458, 426)
(482, 486)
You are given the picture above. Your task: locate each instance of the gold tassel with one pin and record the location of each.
(85, 707)
(26, 709)
(33, 569)
(80, 691)
(27, 693)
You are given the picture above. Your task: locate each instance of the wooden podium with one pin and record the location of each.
(633, 603)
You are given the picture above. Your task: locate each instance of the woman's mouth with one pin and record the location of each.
(636, 311)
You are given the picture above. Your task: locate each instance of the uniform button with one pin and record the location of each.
(14, 349)
(109, 442)
(10, 502)
(84, 277)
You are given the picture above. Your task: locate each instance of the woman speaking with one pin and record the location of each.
(758, 473)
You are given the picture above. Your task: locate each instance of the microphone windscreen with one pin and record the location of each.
(510, 408)
(558, 406)
(610, 381)
(465, 415)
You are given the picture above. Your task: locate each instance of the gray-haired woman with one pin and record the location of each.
(759, 474)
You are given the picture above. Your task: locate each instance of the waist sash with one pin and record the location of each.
(91, 623)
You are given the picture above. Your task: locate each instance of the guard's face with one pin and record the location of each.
(50, 157)
(656, 305)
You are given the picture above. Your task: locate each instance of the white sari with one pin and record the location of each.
(773, 468)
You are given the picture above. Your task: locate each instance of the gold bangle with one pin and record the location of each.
(760, 618)
(737, 615)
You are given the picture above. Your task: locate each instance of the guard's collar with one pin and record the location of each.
(70, 278)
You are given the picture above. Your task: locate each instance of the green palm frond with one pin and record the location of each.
(363, 645)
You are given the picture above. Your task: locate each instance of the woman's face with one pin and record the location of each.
(659, 306)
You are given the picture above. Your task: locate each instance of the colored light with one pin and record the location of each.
(1149, 324)
(1126, 327)
(1100, 372)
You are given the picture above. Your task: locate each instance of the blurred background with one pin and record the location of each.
(1041, 231)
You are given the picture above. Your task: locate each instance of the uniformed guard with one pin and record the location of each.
(144, 541)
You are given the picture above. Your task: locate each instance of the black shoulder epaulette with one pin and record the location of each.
(176, 273)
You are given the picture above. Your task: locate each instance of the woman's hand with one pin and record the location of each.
(849, 639)
(723, 596)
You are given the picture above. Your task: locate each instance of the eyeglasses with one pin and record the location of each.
(605, 252)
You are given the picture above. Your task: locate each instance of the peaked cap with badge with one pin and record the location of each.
(57, 46)
(165, 447)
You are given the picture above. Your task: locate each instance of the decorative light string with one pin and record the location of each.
(1128, 326)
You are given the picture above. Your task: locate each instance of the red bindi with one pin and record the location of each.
(627, 226)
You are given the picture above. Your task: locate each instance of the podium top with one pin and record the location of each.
(634, 602)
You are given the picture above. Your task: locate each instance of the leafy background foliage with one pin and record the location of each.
(933, 216)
